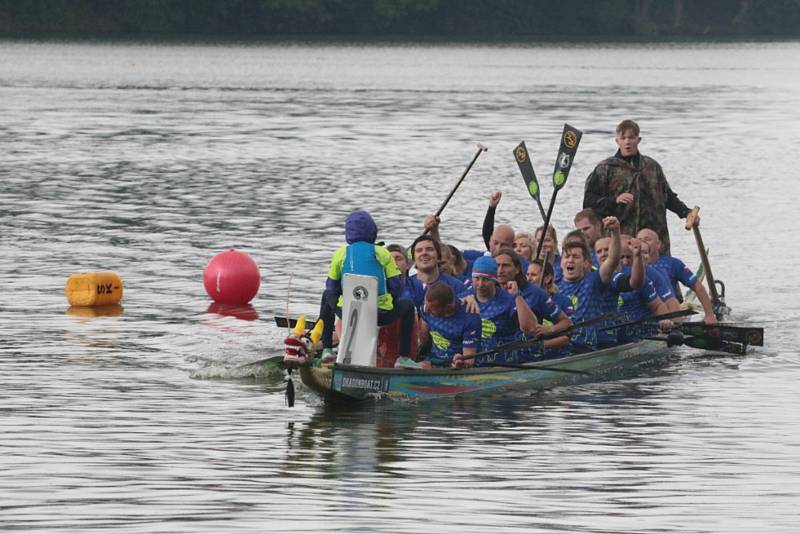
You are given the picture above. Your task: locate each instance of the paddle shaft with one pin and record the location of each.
(536, 367)
(546, 223)
(541, 274)
(481, 149)
(694, 224)
(651, 318)
(552, 335)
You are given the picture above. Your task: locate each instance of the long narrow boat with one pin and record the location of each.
(343, 384)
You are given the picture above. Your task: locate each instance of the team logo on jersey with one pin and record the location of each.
(488, 329)
(521, 154)
(440, 341)
(570, 139)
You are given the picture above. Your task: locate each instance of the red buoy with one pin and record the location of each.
(231, 277)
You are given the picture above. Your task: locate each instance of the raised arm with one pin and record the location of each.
(431, 224)
(608, 267)
(488, 220)
(637, 264)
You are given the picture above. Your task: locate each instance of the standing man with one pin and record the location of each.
(633, 188)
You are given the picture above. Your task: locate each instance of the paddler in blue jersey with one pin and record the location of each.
(594, 292)
(641, 302)
(659, 280)
(455, 333)
(676, 271)
(427, 253)
(550, 316)
(362, 256)
(504, 317)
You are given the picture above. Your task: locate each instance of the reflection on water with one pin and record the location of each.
(146, 160)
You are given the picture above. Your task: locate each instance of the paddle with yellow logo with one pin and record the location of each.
(526, 168)
(570, 138)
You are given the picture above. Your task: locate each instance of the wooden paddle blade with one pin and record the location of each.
(570, 138)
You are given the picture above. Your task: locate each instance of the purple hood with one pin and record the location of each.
(360, 227)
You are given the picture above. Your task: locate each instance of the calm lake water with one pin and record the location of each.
(149, 159)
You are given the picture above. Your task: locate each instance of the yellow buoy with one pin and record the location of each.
(93, 289)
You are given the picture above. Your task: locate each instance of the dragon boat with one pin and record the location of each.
(364, 370)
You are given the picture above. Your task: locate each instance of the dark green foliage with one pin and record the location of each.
(491, 19)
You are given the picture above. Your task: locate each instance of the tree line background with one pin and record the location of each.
(506, 19)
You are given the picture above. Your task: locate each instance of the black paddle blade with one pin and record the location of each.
(715, 344)
(288, 322)
(746, 335)
(570, 138)
(526, 168)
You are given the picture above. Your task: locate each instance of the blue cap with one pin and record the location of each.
(485, 267)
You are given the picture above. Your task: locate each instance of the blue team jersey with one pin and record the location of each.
(634, 305)
(563, 303)
(470, 255)
(415, 289)
(676, 271)
(500, 325)
(451, 335)
(541, 304)
(558, 273)
(499, 322)
(660, 281)
(591, 298)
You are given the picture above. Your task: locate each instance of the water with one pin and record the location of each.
(148, 160)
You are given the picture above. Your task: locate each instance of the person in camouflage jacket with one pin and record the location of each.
(633, 188)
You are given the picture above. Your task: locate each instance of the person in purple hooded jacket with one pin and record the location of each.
(362, 256)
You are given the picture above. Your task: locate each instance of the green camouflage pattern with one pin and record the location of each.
(649, 187)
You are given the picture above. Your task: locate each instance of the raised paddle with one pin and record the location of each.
(693, 224)
(481, 149)
(526, 168)
(570, 138)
